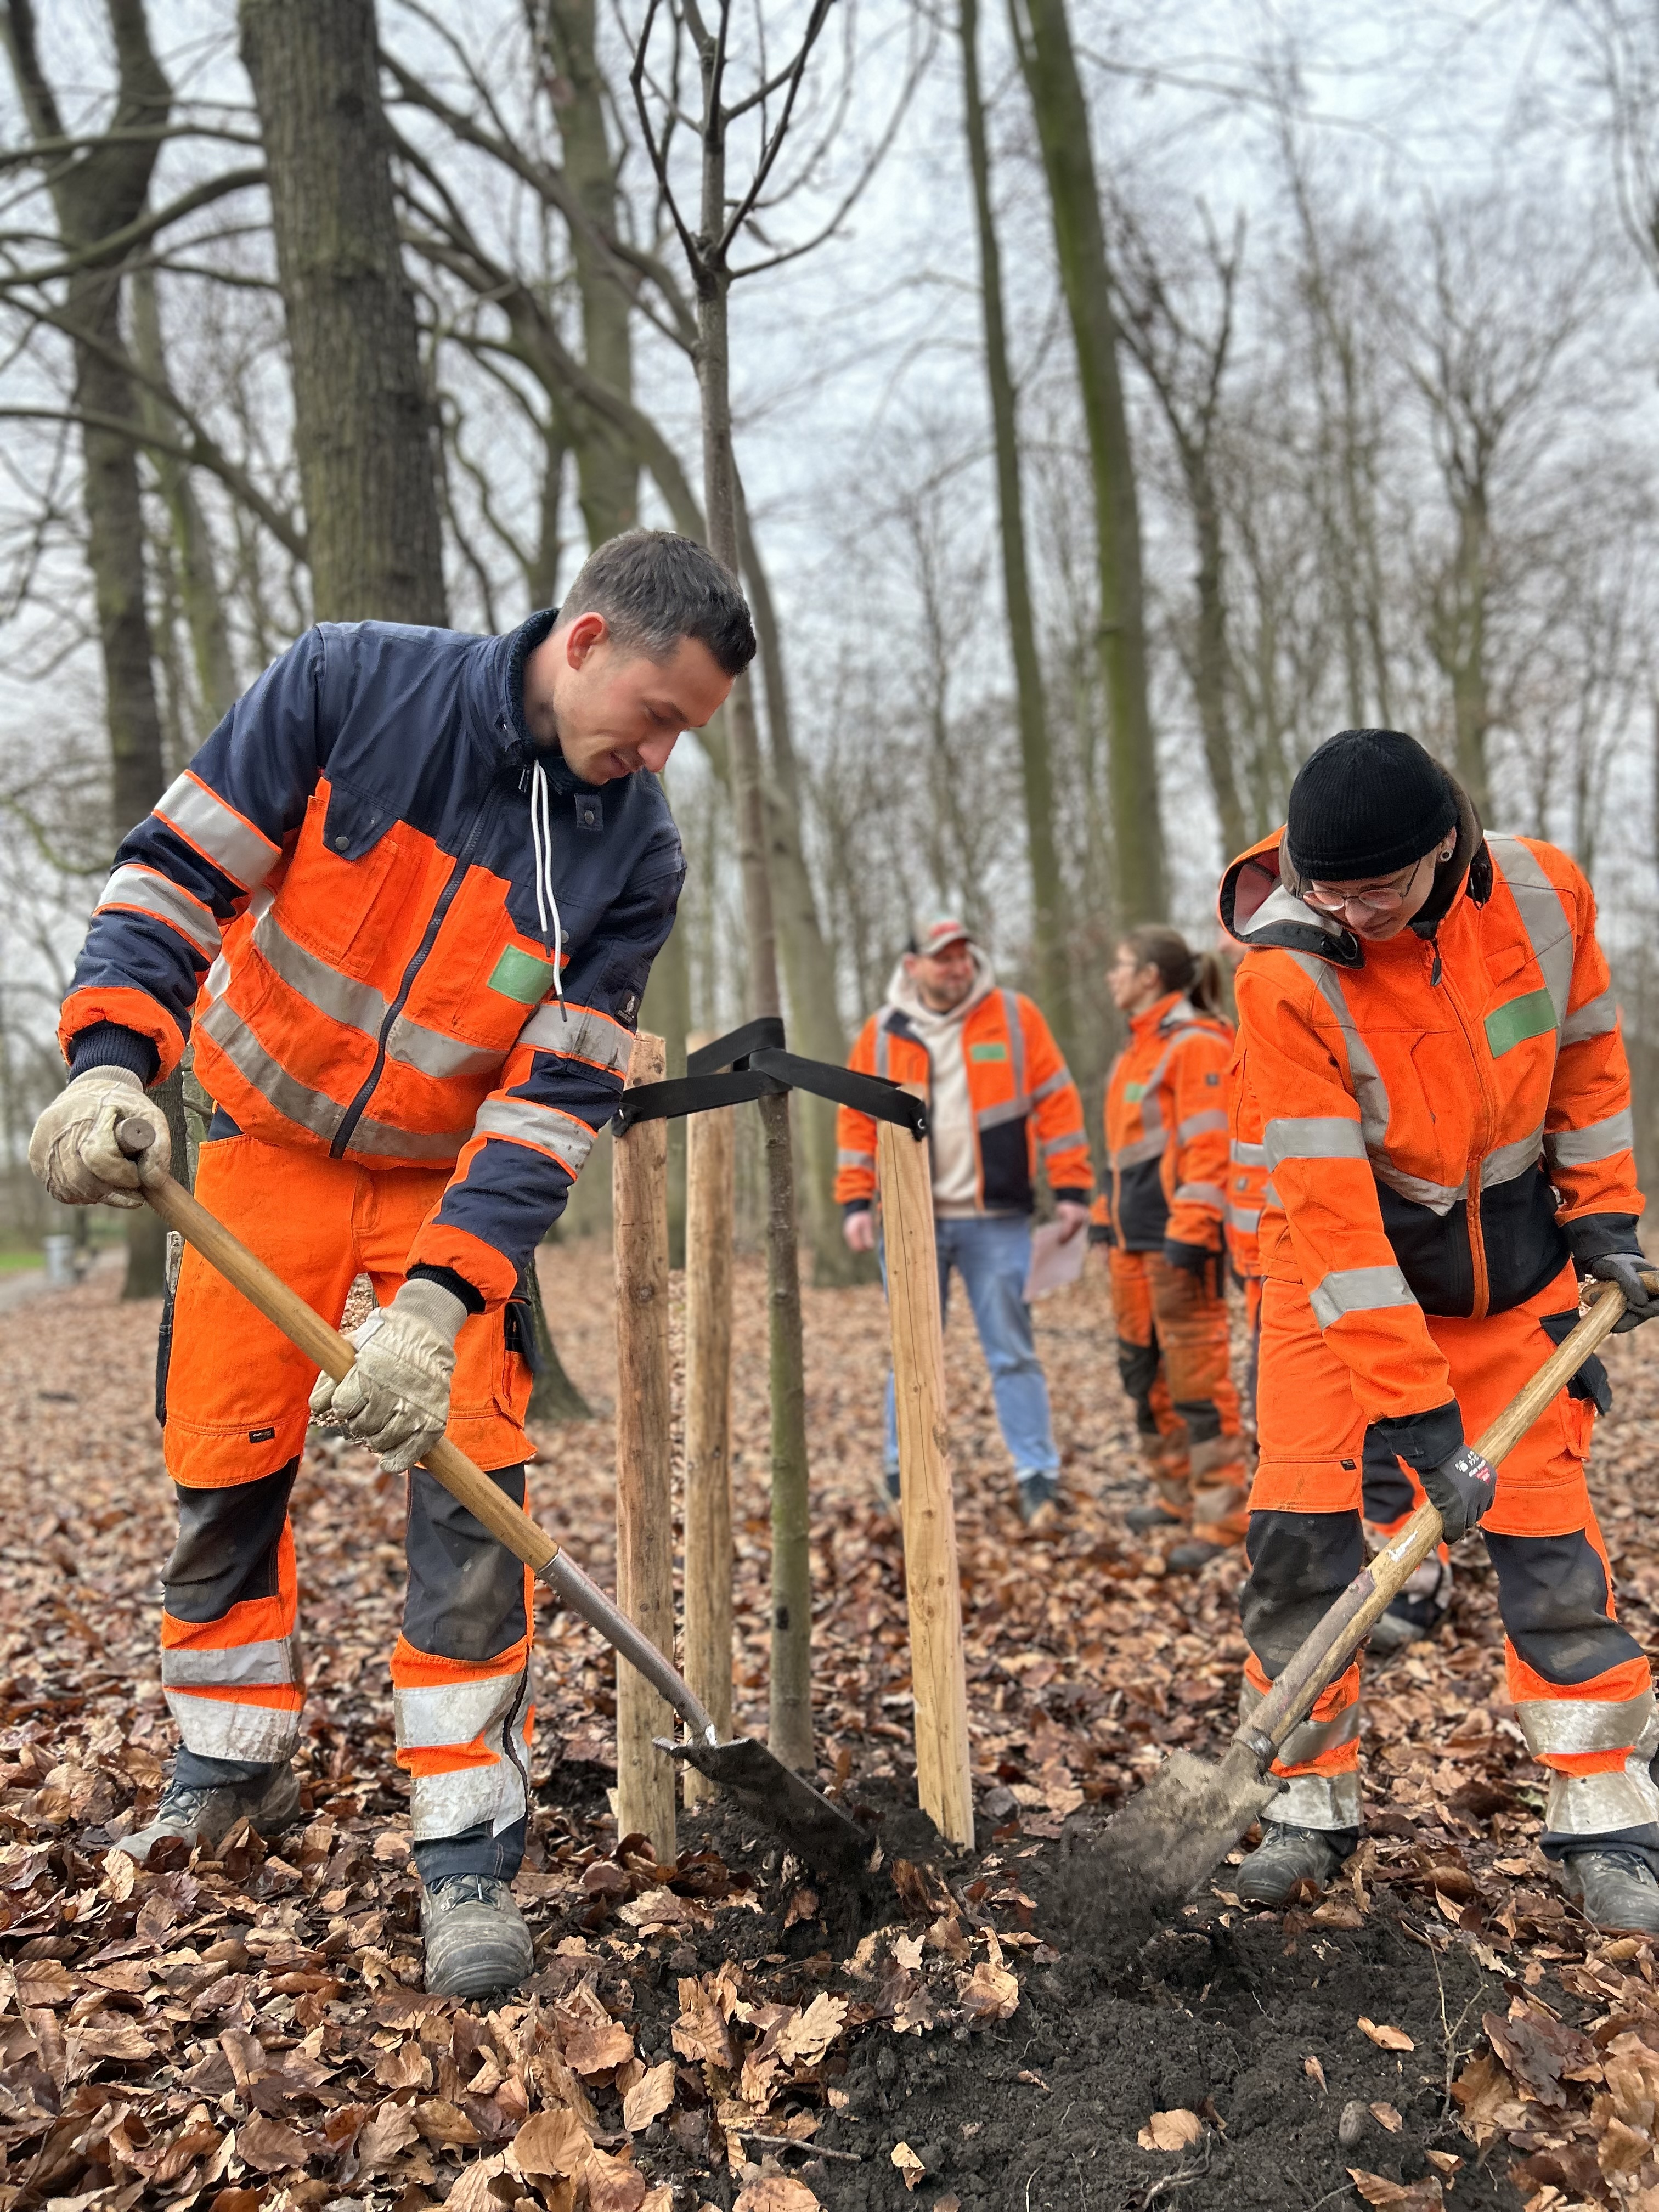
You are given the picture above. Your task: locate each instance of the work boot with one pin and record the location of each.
(1039, 1495)
(1285, 1856)
(1190, 1558)
(201, 1816)
(475, 1940)
(1417, 1611)
(1140, 1520)
(1615, 1890)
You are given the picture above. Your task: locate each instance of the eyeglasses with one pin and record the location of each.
(1380, 898)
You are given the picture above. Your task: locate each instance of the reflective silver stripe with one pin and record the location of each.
(1601, 1804)
(1068, 1143)
(1544, 916)
(1270, 1196)
(1247, 1156)
(587, 1035)
(1506, 1162)
(1357, 1290)
(1317, 1801)
(1597, 1016)
(1370, 1092)
(231, 842)
(1015, 1040)
(1202, 1194)
(461, 1714)
(188, 1666)
(455, 1713)
(855, 1159)
(1581, 1724)
(1138, 1154)
(1311, 1738)
(1058, 1081)
(1201, 1125)
(152, 893)
(882, 1050)
(309, 1109)
(993, 1117)
(1580, 1148)
(1313, 1137)
(569, 1140)
(359, 1006)
(221, 1727)
(452, 1804)
(1247, 1224)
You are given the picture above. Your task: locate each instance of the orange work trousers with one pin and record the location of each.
(234, 1391)
(1581, 1685)
(1172, 1354)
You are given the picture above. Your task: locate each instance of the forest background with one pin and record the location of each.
(1122, 400)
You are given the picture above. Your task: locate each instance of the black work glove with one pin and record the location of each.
(1196, 1260)
(1462, 1487)
(1102, 1232)
(1626, 1269)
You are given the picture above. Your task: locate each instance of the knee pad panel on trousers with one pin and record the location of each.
(226, 1551)
(1388, 1492)
(466, 1591)
(1299, 1563)
(1553, 1594)
(1138, 1365)
(1202, 1417)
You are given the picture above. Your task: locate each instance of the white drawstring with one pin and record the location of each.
(541, 831)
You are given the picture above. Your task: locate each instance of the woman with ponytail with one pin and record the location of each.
(1162, 1211)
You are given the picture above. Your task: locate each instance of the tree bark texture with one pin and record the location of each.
(1043, 36)
(363, 423)
(708, 1554)
(1049, 903)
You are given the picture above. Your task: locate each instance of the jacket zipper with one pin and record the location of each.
(354, 1113)
(1482, 1291)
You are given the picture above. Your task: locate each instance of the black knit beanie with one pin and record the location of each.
(1367, 802)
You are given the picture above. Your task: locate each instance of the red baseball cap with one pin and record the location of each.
(944, 930)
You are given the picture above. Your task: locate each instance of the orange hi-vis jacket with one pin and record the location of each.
(1247, 1183)
(1166, 1129)
(1446, 1117)
(1026, 1108)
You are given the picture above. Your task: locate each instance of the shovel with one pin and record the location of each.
(1156, 1852)
(774, 1793)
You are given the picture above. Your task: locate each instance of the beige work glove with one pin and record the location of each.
(73, 1149)
(396, 1399)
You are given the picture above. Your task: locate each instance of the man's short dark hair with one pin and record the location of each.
(653, 587)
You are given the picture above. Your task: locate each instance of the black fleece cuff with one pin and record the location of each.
(107, 1044)
(1073, 1197)
(1101, 1233)
(852, 1206)
(1593, 1236)
(1422, 1440)
(447, 1279)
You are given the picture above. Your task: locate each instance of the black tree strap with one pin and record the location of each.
(752, 1063)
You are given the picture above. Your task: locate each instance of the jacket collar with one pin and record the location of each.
(1260, 903)
(1172, 1011)
(501, 698)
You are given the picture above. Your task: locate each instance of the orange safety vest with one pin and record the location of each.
(1247, 1179)
(1166, 1128)
(1026, 1108)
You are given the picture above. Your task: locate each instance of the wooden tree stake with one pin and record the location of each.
(645, 1499)
(709, 1172)
(937, 1673)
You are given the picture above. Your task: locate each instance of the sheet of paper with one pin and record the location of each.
(1054, 1264)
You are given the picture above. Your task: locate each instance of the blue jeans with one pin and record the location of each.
(992, 1253)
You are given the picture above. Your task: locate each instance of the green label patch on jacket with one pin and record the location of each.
(1521, 1018)
(1134, 1092)
(987, 1052)
(520, 976)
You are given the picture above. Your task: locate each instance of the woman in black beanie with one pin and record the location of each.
(1433, 1062)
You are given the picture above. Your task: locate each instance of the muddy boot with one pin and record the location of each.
(1039, 1498)
(1615, 1890)
(1417, 1611)
(475, 1940)
(1188, 1558)
(1140, 1520)
(1287, 1856)
(203, 1816)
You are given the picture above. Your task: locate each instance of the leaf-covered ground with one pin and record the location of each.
(250, 2031)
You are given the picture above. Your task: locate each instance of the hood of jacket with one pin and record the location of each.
(904, 997)
(1261, 907)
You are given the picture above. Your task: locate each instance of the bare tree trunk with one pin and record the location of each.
(363, 425)
(1048, 902)
(99, 192)
(1042, 35)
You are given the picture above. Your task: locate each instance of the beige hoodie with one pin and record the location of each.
(950, 1110)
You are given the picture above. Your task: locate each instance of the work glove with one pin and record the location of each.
(1196, 1260)
(1624, 1268)
(396, 1399)
(1462, 1487)
(73, 1149)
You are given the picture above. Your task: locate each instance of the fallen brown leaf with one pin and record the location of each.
(1398, 2196)
(910, 2167)
(1386, 2039)
(651, 2095)
(775, 2192)
(1172, 2131)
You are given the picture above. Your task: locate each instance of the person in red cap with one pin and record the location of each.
(1433, 1065)
(1001, 1103)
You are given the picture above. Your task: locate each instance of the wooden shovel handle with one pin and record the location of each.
(1350, 1620)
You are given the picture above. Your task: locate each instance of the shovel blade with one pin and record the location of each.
(1153, 1855)
(799, 1815)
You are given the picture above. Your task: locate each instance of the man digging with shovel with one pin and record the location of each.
(1431, 1058)
(409, 894)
